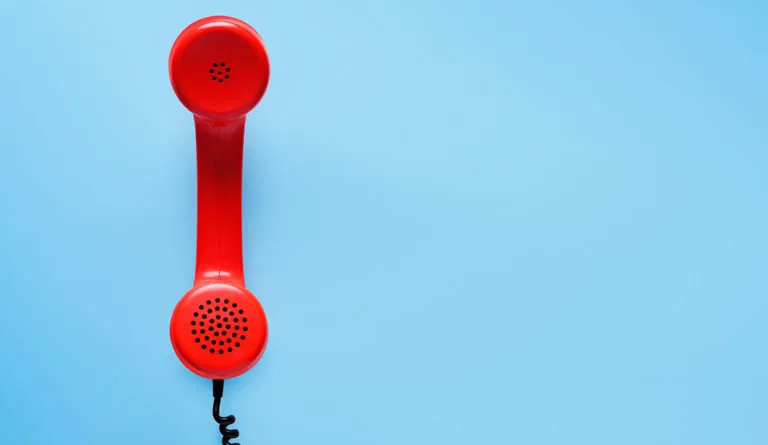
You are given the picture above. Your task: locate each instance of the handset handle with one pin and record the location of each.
(219, 200)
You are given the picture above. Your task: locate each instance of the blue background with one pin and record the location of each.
(469, 222)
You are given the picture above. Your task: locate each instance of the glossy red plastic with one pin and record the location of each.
(219, 70)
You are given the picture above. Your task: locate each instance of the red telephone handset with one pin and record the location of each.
(219, 70)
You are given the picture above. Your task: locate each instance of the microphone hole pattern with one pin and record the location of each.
(219, 326)
(220, 72)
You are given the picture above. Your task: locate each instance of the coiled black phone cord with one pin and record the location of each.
(224, 422)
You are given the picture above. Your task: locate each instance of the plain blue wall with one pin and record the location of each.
(470, 222)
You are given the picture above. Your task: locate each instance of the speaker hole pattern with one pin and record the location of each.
(219, 326)
(219, 72)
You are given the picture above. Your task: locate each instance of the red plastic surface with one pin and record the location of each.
(219, 70)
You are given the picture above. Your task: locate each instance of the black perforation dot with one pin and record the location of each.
(194, 331)
(240, 311)
(202, 331)
(197, 340)
(242, 337)
(245, 328)
(208, 302)
(194, 322)
(245, 320)
(207, 338)
(237, 345)
(218, 300)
